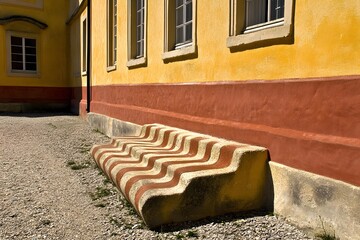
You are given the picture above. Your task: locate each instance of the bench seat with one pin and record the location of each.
(174, 175)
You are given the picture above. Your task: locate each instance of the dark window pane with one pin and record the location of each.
(16, 65)
(138, 18)
(30, 66)
(30, 50)
(281, 10)
(16, 57)
(138, 33)
(30, 42)
(179, 16)
(16, 41)
(180, 35)
(140, 49)
(256, 12)
(30, 59)
(84, 47)
(137, 48)
(16, 49)
(188, 12)
(179, 2)
(276, 9)
(188, 32)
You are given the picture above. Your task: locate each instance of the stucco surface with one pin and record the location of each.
(323, 45)
(308, 200)
(52, 44)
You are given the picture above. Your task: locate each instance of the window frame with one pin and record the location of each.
(111, 34)
(22, 35)
(241, 36)
(266, 13)
(133, 59)
(183, 24)
(84, 41)
(171, 51)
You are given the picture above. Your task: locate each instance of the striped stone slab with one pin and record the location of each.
(173, 175)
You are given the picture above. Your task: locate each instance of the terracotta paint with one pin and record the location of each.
(223, 161)
(52, 46)
(234, 173)
(308, 124)
(13, 94)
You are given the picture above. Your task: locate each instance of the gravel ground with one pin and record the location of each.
(51, 189)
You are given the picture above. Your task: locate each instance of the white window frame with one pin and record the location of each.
(140, 26)
(134, 58)
(25, 73)
(172, 51)
(182, 24)
(111, 32)
(84, 42)
(241, 35)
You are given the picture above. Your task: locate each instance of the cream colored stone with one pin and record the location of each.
(304, 198)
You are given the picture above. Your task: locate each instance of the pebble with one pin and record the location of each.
(41, 197)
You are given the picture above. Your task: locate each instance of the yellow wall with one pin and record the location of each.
(53, 66)
(326, 43)
(75, 54)
(75, 45)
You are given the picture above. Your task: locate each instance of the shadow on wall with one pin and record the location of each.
(35, 114)
(74, 59)
(268, 188)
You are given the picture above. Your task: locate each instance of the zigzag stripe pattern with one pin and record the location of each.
(171, 175)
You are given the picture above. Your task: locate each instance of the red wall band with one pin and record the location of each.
(308, 124)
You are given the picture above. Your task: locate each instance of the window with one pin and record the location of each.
(22, 53)
(183, 22)
(111, 34)
(137, 32)
(180, 29)
(140, 9)
(84, 46)
(253, 21)
(263, 12)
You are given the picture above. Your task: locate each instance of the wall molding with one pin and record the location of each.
(39, 4)
(15, 18)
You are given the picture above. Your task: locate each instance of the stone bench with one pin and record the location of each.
(173, 175)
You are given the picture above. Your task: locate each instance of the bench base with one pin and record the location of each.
(173, 175)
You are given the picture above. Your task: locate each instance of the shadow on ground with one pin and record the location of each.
(217, 219)
(36, 114)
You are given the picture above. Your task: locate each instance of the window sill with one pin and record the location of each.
(137, 62)
(23, 74)
(262, 35)
(179, 53)
(111, 68)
